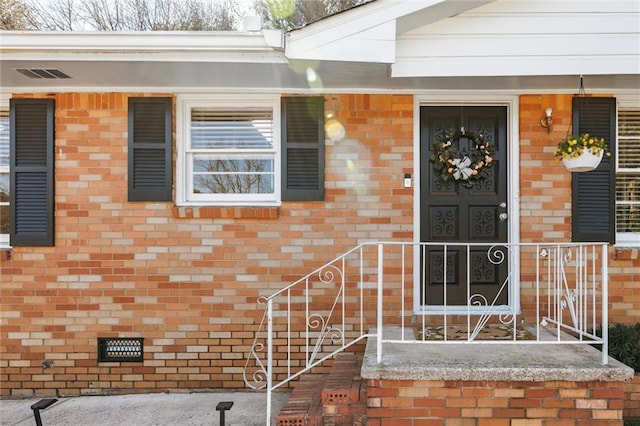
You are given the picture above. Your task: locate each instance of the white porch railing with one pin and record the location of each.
(545, 294)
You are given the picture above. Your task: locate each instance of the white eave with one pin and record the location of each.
(155, 60)
(152, 45)
(368, 33)
(480, 38)
(384, 45)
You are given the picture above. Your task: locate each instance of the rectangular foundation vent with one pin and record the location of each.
(117, 349)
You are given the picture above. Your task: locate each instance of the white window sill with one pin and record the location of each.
(628, 240)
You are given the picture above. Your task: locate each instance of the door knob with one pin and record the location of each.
(503, 216)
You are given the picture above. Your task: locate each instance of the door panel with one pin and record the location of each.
(451, 212)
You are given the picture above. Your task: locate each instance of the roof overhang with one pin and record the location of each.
(494, 40)
(369, 48)
(368, 33)
(36, 45)
(142, 59)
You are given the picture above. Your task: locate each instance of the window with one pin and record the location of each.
(230, 151)
(628, 175)
(4, 175)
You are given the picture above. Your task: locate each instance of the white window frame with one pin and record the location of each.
(4, 238)
(184, 191)
(626, 239)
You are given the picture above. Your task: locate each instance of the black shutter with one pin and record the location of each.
(32, 172)
(303, 149)
(150, 160)
(593, 193)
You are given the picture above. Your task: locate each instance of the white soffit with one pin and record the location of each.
(525, 38)
(368, 33)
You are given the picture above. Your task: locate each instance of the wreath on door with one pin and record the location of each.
(449, 163)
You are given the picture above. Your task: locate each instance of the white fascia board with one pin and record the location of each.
(516, 66)
(271, 57)
(94, 45)
(341, 36)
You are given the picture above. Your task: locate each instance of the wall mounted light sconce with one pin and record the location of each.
(547, 120)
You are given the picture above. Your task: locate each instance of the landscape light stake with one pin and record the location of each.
(41, 405)
(222, 407)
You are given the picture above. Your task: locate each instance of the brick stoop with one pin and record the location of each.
(632, 398)
(344, 396)
(337, 398)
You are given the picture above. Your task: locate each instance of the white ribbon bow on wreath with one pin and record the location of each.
(462, 169)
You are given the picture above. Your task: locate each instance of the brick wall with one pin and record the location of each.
(545, 197)
(185, 279)
(493, 403)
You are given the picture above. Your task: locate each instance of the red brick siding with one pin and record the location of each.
(632, 398)
(545, 202)
(185, 279)
(493, 403)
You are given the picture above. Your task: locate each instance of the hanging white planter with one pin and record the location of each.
(583, 163)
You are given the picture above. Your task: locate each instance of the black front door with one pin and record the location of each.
(468, 212)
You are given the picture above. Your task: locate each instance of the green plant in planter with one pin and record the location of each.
(574, 146)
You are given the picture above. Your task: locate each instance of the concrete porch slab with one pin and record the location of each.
(529, 362)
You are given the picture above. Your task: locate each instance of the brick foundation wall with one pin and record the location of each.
(493, 403)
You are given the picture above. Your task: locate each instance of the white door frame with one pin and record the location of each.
(513, 187)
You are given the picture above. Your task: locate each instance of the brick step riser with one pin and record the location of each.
(337, 398)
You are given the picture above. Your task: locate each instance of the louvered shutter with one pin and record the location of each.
(32, 172)
(303, 149)
(150, 166)
(593, 202)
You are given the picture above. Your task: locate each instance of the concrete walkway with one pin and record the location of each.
(170, 409)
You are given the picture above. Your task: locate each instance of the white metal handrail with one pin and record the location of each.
(563, 288)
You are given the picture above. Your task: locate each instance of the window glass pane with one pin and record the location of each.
(628, 202)
(4, 220)
(4, 177)
(4, 188)
(4, 204)
(628, 187)
(233, 174)
(629, 139)
(4, 140)
(213, 128)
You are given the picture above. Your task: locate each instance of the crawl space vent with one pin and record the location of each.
(127, 349)
(42, 73)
